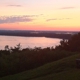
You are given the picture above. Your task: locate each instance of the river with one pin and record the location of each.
(30, 42)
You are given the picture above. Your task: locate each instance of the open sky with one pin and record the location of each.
(40, 15)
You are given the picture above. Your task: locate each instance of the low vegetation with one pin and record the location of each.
(14, 60)
(63, 69)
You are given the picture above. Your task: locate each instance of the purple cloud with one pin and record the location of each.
(15, 5)
(67, 8)
(15, 19)
(51, 19)
(58, 19)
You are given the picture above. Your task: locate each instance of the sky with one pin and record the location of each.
(54, 15)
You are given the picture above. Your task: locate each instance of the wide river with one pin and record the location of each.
(30, 42)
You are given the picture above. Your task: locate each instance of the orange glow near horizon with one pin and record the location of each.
(39, 27)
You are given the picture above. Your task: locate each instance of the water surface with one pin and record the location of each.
(25, 42)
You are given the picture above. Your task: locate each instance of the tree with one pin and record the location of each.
(16, 48)
(7, 48)
(73, 44)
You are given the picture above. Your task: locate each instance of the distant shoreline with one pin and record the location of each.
(47, 34)
(33, 36)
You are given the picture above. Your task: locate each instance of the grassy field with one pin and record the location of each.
(64, 69)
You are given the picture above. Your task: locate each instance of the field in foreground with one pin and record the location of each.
(64, 69)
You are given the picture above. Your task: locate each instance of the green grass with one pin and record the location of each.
(64, 69)
(66, 75)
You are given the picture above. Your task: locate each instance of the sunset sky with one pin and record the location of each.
(40, 15)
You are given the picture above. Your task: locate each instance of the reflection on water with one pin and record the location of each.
(28, 41)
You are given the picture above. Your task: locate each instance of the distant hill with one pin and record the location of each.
(64, 69)
(51, 34)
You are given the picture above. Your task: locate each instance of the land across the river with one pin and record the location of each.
(30, 33)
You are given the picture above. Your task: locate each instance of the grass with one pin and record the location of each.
(66, 75)
(64, 69)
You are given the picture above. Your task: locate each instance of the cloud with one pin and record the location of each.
(15, 5)
(31, 15)
(54, 19)
(51, 19)
(67, 8)
(15, 19)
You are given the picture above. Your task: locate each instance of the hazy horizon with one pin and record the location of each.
(40, 30)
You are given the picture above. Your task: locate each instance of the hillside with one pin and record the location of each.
(64, 69)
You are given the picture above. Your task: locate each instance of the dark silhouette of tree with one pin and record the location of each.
(6, 47)
(73, 44)
(16, 48)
